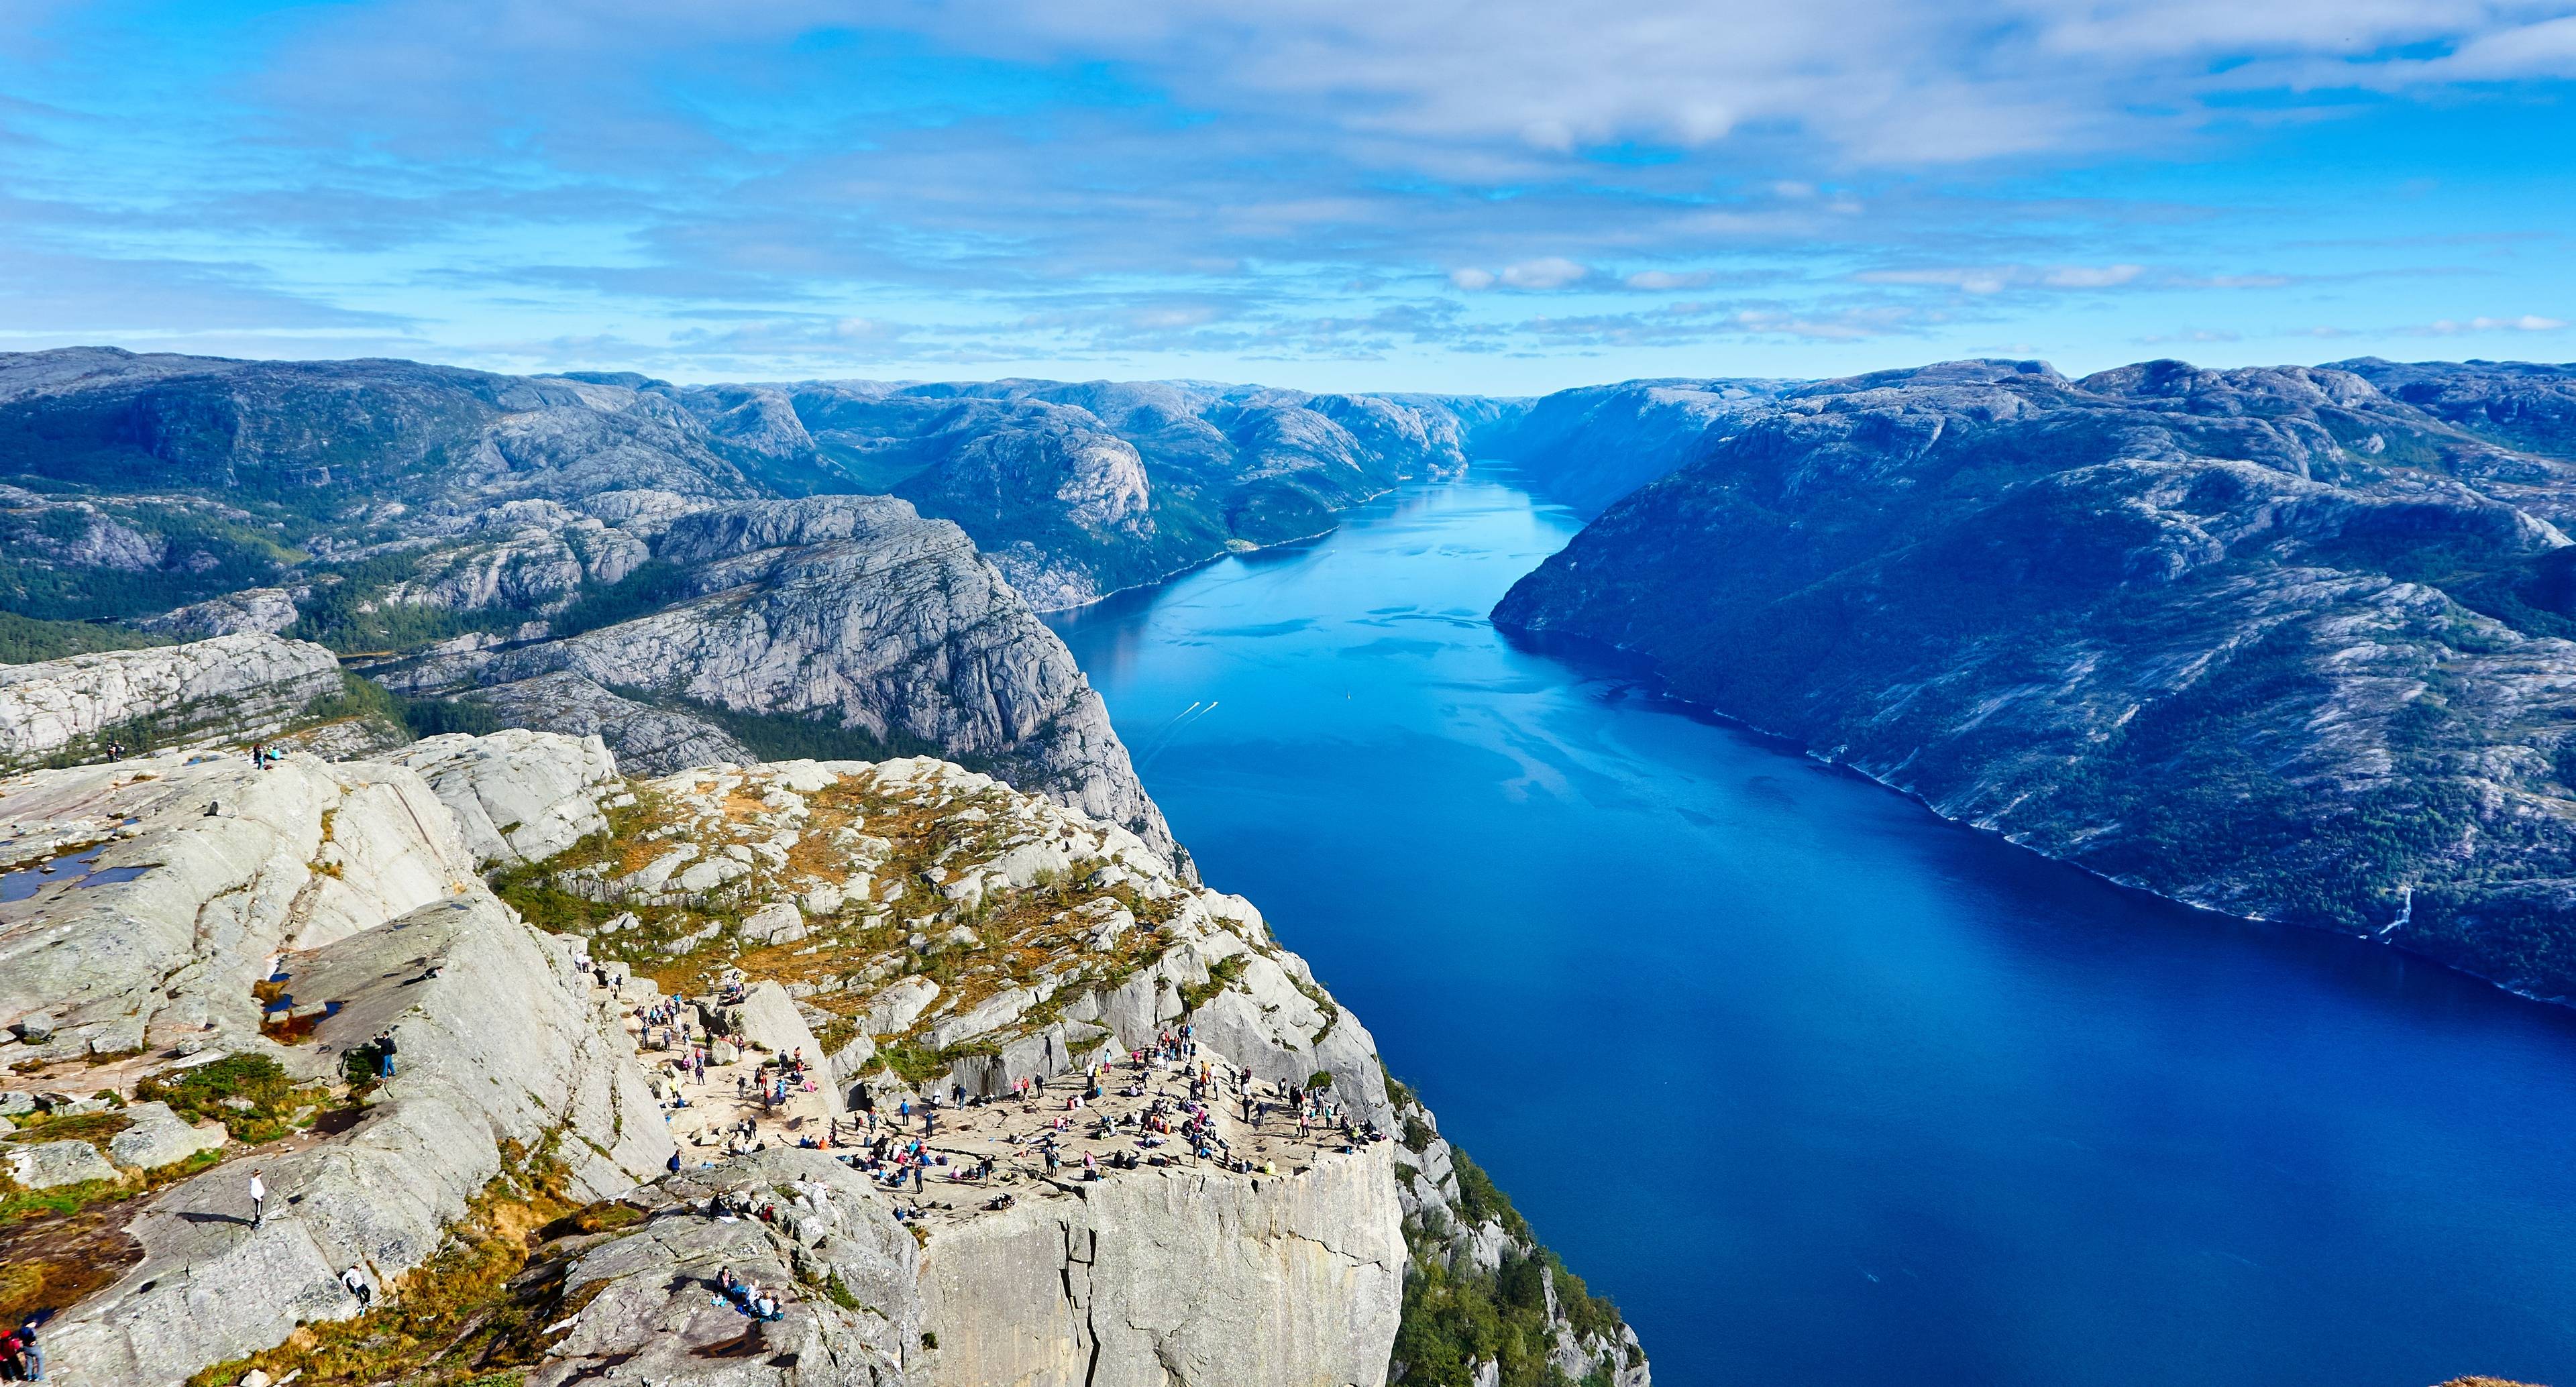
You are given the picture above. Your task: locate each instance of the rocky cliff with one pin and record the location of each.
(2270, 641)
(611, 555)
(1243, 1198)
(839, 615)
(240, 686)
(942, 935)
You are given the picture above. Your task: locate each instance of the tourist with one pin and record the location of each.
(356, 1281)
(385, 1053)
(258, 1200)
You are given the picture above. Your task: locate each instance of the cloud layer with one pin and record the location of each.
(1414, 194)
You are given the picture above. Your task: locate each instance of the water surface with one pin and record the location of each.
(1821, 1089)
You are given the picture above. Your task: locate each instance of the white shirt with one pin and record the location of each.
(257, 1190)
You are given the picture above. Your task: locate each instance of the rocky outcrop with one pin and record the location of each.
(355, 886)
(649, 1302)
(1063, 942)
(260, 610)
(241, 685)
(847, 614)
(518, 796)
(2268, 641)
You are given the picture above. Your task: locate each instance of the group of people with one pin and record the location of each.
(22, 1357)
(262, 755)
(746, 1296)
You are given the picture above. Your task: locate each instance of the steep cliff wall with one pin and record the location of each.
(1160, 1276)
(847, 614)
(243, 685)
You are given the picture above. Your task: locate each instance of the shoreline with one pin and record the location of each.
(1654, 686)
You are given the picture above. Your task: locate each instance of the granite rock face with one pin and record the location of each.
(1160, 1276)
(650, 1311)
(353, 883)
(261, 610)
(847, 613)
(239, 685)
(1066, 942)
(2269, 641)
(518, 796)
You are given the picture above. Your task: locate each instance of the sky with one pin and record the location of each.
(1503, 197)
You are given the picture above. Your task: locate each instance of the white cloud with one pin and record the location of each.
(1994, 279)
(2528, 322)
(1656, 280)
(1472, 278)
(1553, 272)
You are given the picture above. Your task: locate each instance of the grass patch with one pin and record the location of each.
(249, 1094)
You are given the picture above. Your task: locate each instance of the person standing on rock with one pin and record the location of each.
(356, 1281)
(258, 1200)
(385, 1054)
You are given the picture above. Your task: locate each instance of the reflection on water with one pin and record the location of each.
(1821, 1089)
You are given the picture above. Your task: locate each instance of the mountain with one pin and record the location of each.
(2282, 642)
(1077, 490)
(1590, 446)
(689, 572)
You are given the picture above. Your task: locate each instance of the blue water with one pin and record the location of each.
(1820, 1089)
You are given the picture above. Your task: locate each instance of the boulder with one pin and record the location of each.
(778, 922)
(519, 796)
(155, 1137)
(47, 1164)
(898, 1005)
(990, 1014)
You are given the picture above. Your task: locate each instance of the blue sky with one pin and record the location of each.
(1499, 197)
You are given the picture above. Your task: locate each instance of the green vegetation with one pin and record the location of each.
(789, 737)
(25, 639)
(249, 1094)
(205, 553)
(1455, 1319)
(652, 586)
(350, 615)
(1220, 973)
